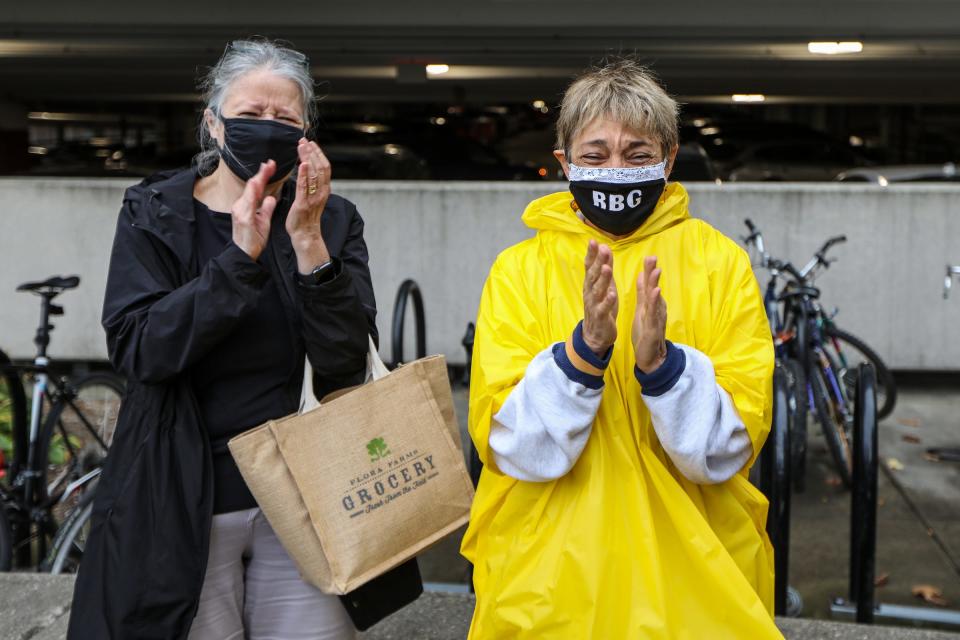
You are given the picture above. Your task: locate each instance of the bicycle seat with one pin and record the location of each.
(50, 285)
(810, 292)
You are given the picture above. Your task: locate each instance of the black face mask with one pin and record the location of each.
(251, 141)
(617, 200)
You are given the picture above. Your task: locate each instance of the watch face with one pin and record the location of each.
(320, 274)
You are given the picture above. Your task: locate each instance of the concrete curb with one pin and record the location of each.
(36, 607)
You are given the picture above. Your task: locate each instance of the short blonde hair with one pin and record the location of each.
(625, 91)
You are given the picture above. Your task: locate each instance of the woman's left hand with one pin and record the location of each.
(303, 220)
(650, 320)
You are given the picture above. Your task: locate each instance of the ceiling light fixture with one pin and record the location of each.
(437, 69)
(834, 48)
(748, 97)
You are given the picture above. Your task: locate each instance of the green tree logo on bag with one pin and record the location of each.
(377, 449)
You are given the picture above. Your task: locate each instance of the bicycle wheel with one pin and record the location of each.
(832, 422)
(68, 544)
(798, 426)
(79, 442)
(850, 352)
(6, 540)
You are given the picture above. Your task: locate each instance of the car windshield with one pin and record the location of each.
(805, 153)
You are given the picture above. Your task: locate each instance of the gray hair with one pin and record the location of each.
(626, 91)
(240, 58)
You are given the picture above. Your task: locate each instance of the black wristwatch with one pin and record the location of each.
(321, 274)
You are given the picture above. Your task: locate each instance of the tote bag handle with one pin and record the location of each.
(375, 370)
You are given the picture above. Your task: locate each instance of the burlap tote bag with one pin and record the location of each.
(363, 481)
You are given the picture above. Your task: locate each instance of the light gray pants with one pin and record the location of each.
(253, 591)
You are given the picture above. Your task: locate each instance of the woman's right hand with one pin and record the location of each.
(252, 213)
(600, 300)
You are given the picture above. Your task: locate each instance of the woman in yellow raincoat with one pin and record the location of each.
(618, 400)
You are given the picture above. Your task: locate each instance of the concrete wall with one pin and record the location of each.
(887, 282)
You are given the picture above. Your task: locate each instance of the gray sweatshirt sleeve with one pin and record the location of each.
(543, 426)
(694, 418)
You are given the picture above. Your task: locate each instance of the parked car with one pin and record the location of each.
(793, 160)
(883, 176)
(771, 151)
(693, 164)
(453, 157)
(413, 151)
(533, 148)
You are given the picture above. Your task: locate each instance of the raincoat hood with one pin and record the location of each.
(556, 212)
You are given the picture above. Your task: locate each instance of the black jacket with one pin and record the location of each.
(146, 554)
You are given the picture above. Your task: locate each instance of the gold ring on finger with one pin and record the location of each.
(312, 189)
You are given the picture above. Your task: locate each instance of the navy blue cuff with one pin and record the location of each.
(587, 380)
(584, 351)
(666, 376)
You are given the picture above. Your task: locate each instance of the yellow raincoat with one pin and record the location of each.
(623, 546)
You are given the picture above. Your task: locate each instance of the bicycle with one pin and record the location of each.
(822, 359)
(58, 445)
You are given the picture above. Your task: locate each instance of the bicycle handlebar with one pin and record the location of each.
(952, 270)
(831, 242)
(819, 259)
(786, 267)
(756, 238)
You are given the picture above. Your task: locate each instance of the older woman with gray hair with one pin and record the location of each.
(615, 436)
(222, 279)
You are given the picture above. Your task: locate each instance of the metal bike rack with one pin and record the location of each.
(775, 484)
(408, 289)
(948, 453)
(861, 604)
(468, 339)
(863, 509)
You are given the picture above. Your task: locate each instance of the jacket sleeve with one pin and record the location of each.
(545, 422)
(156, 329)
(509, 337)
(339, 315)
(694, 417)
(741, 346)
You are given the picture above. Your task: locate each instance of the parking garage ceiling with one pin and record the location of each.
(496, 50)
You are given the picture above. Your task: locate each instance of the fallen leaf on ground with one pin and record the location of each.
(929, 457)
(833, 481)
(911, 438)
(930, 594)
(909, 422)
(894, 465)
(881, 580)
